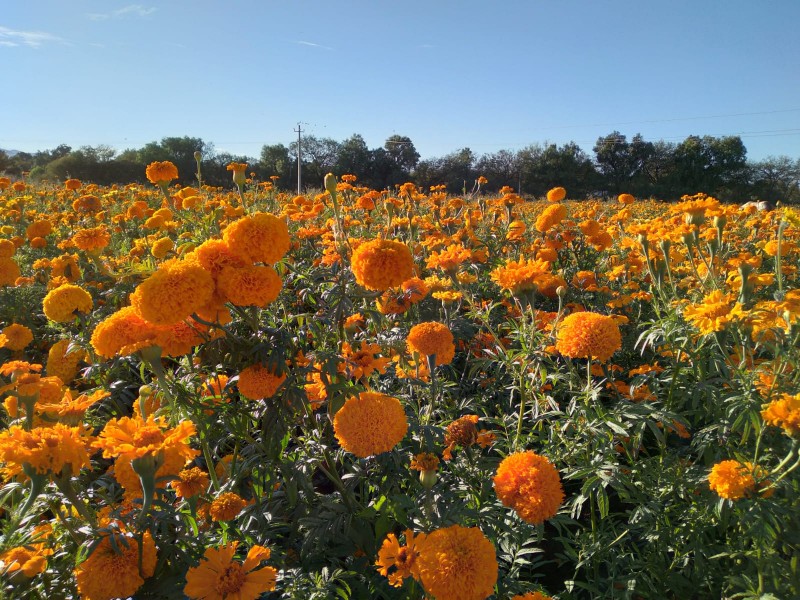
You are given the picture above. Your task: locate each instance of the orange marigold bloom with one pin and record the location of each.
(215, 255)
(382, 264)
(626, 199)
(731, 479)
(450, 259)
(550, 217)
(25, 559)
(61, 304)
(64, 364)
(176, 290)
(256, 285)
(112, 569)
(529, 483)
(363, 362)
(401, 560)
(191, 482)
(370, 424)
(260, 237)
(532, 596)
(7, 248)
(784, 412)
(457, 563)
(44, 449)
(425, 461)
(219, 577)
(257, 382)
(161, 247)
(93, 239)
(15, 337)
(414, 289)
(121, 333)
(713, 313)
(522, 276)
(432, 339)
(226, 506)
(72, 184)
(557, 194)
(588, 335)
(133, 437)
(161, 173)
(9, 272)
(87, 204)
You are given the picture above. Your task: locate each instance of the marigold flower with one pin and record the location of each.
(134, 437)
(216, 255)
(382, 264)
(363, 362)
(401, 560)
(450, 259)
(7, 248)
(257, 382)
(239, 176)
(557, 194)
(15, 337)
(457, 563)
(432, 339)
(45, 449)
(226, 506)
(93, 239)
(161, 247)
(784, 412)
(626, 199)
(370, 424)
(713, 313)
(61, 304)
(731, 479)
(256, 285)
(532, 596)
(425, 461)
(112, 569)
(522, 276)
(530, 484)
(122, 333)
(176, 290)
(260, 237)
(9, 272)
(29, 561)
(161, 173)
(219, 577)
(550, 217)
(191, 482)
(588, 335)
(72, 184)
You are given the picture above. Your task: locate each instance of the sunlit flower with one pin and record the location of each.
(161, 172)
(557, 194)
(260, 237)
(257, 382)
(61, 304)
(256, 285)
(45, 449)
(219, 577)
(15, 337)
(588, 335)
(784, 412)
(550, 217)
(712, 314)
(191, 482)
(731, 479)
(530, 484)
(369, 424)
(227, 506)
(400, 560)
(382, 264)
(176, 290)
(432, 339)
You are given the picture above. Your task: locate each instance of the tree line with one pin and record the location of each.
(666, 170)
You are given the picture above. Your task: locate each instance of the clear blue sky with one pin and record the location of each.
(446, 73)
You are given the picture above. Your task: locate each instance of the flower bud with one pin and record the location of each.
(330, 183)
(428, 478)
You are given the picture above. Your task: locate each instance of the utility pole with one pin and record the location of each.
(299, 159)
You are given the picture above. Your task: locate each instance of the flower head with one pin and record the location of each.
(432, 339)
(382, 264)
(557, 194)
(400, 560)
(61, 304)
(529, 483)
(15, 337)
(257, 382)
(161, 173)
(588, 335)
(370, 424)
(784, 412)
(457, 563)
(260, 237)
(219, 577)
(731, 479)
(256, 285)
(550, 217)
(227, 506)
(44, 449)
(176, 290)
(112, 569)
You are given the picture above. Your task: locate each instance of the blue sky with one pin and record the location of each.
(447, 73)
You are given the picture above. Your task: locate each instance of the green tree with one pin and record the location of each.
(776, 178)
(275, 160)
(402, 152)
(621, 163)
(715, 166)
(500, 168)
(546, 167)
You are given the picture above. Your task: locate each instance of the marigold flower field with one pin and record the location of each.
(241, 393)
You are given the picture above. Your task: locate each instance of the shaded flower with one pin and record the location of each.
(219, 577)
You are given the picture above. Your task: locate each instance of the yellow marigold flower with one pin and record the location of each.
(457, 563)
(450, 259)
(257, 382)
(161, 173)
(219, 577)
(168, 463)
(45, 449)
(191, 482)
(9, 272)
(239, 176)
(68, 409)
(550, 217)
(65, 266)
(400, 560)
(161, 247)
(27, 560)
(588, 335)
(15, 337)
(260, 237)
(122, 333)
(370, 424)
(93, 239)
(784, 412)
(112, 569)
(226, 506)
(731, 479)
(176, 290)
(215, 255)
(7, 248)
(256, 285)
(519, 277)
(134, 438)
(516, 231)
(432, 339)
(61, 304)
(529, 483)
(713, 313)
(557, 194)
(382, 264)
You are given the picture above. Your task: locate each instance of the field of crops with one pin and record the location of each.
(242, 393)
